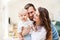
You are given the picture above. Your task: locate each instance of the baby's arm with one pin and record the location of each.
(19, 30)
(34, 28)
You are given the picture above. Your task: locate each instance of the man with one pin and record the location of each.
(31, 10)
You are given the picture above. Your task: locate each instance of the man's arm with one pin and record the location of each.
(55, 34)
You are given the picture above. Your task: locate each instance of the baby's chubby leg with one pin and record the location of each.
(26, 31)
(20, 36)
(27, 36)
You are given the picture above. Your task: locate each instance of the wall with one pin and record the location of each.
(1, 28)
(53, 7)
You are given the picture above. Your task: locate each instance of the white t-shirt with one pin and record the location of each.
(39, 35)
(21, 24)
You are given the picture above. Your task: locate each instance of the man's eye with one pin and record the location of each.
(31, 12)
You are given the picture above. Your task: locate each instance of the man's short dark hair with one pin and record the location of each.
(29, 5)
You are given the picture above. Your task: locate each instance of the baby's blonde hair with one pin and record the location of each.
(22, 11)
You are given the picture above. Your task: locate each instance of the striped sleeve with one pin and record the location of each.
(54, 33)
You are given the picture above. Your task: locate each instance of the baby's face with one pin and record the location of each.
(23, 15)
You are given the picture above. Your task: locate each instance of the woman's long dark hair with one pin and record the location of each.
(45, 20)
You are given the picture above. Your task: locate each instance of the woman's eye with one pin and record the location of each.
(36, 15)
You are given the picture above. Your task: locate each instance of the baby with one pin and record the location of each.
(24, 25)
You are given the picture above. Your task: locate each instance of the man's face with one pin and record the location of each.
(31, 12)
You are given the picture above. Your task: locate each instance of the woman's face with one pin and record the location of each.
(36, 16)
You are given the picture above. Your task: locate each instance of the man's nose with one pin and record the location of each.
(31, 15)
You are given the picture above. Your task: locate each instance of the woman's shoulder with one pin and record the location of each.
(43, 29)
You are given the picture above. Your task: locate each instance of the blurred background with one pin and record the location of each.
(9, 10)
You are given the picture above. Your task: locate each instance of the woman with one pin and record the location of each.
(42, 25)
